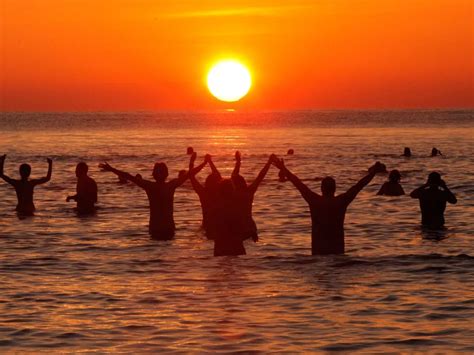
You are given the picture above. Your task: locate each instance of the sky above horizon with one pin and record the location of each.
(83, 55)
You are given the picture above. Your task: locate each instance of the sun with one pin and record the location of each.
(229, 80)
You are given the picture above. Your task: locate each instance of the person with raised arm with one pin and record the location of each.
(160, 196)
(433, 196)
(208, 194)
(244, 196)
(86, 191)
(24, 187)
(327, 210)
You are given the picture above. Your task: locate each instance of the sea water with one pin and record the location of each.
(101, 284)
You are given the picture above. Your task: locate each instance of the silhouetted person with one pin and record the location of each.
(433, 196)
(208, 194)
(24, 187)
(244, 195)
(228, 223)
(406, 152)
(328, 211)
(86, 191)
(290, 152)
(392, 187)
(160, 196)
(435, 152)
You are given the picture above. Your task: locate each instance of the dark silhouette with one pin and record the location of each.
(290, 152)
(433, 196)
(227, 226)
(208, 194)
(24, 187)
(282, 176)
(244, 195)
(392, 187)
(435, 152)
(328, 211)
(407, 152)
(160, 196)
(86, 191)
(189, 151)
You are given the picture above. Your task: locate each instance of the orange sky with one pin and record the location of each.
(153, 54)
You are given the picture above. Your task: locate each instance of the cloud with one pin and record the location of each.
(245, 11)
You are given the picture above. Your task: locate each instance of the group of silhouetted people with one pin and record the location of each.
(226, 203)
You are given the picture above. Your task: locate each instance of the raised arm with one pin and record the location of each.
(2, 175)
(208, 159)
(48, 175)
(304, 190)
(254, 185)
(450, 197)
(351, 194)
(238, 161)
(126, 176)
(190, 173)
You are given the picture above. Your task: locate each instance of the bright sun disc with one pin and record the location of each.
(229, 81)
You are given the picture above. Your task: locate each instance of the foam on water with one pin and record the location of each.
(100, 283)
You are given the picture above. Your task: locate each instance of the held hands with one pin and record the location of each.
(279, 163)
(207, 158)
(271, 158)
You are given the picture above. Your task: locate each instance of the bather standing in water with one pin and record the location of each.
(160, 196)
(392, 187)
(208, 194)
(86, 191)
(244, 196)
(406, 152)
(24, 187)
(433, 196)
(328, 211)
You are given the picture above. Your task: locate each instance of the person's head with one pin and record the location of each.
(328, 186)
(226, 188)
(25, 171)
(290, 152)
(434, 178)
(212, 182)
(394, 176)
(434, 152)
(407, 152)
(81, 169)
(239, 182)
(160, 172)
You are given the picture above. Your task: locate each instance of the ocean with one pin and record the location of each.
(70, 284)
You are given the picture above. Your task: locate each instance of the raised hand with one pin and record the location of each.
(271, 158)
(105, 166)
(238, 156)
(193, 158)
(377, 168)
(49, 160)
(207, 158)
(3, 157)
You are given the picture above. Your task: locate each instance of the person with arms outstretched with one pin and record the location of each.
(86, 191)
(160, 196)
(244, 196)
(433, 196)
(24, 187)
(327, 210)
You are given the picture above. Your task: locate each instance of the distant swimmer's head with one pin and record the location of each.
(239, 182)
(434, 178)
(81, 169)
(25, 171)
(435, 152)
(212, 181)
(328, 186)
(160, 172)
(407, 152)
(290, 152)
(226, 188)
(394, 176)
